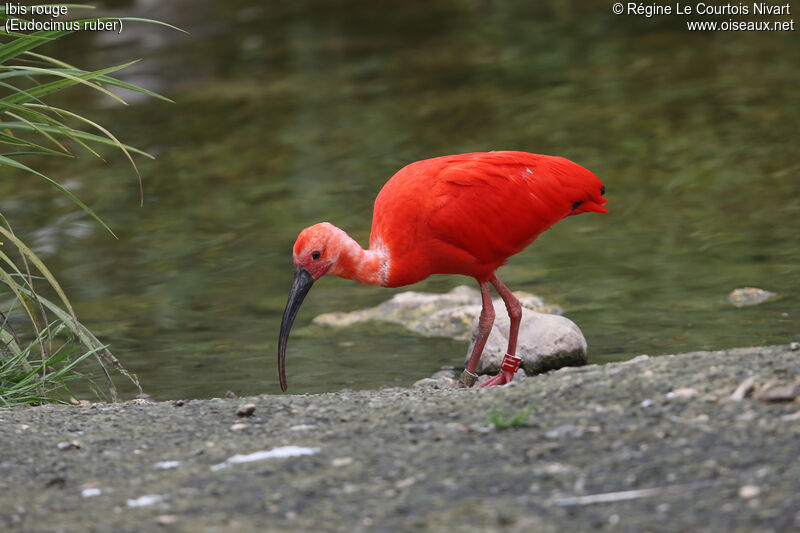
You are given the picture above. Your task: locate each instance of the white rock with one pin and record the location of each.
(146, 500)
(748, 492)
(685, 392)
(341, 461)
(167, 465)
(276, 453)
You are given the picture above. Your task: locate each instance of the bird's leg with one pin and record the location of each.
(511, 361)
(468, 376)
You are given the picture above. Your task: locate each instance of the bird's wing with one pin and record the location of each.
(466, 214)
(495, 204)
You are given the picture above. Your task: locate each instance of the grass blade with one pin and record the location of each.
(13, 163)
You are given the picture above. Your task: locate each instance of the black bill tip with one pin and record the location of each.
(301, 284)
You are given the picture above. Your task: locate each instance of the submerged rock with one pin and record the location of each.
(749, 296)
(545, 342)
(433, 315)
(443, 379)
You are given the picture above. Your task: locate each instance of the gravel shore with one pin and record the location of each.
(705, 441)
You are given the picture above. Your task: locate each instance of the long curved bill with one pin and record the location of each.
(301, 284)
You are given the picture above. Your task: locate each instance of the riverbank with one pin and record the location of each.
(653, 444)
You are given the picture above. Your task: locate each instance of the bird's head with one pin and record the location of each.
(315, 252)
(592, 200)
(317, 248)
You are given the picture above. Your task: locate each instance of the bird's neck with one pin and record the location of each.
(370, 267)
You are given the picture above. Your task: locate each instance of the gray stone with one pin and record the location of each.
(779, 392)
(445, 373)
(749, 296)
(743, 390)
(429, 314)
(545, 342)
(441, 382)
(246, 410)
(404, 308)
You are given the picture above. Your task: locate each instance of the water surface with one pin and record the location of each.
(287, 115)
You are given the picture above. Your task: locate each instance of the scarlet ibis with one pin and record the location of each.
(457, 214)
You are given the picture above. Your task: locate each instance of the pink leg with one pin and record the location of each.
(468, 377)
(514, 314)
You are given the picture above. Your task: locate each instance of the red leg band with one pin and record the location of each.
(511, 363)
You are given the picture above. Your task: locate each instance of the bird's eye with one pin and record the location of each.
(315, 255)
(602, 190)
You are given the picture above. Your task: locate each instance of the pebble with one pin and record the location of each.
(794, 346)
(140, 401)
(167, 465)
(341, 461)
(239, 426)
(448, 373)
(743, 390)
(684, 392)
(166, 519)
(779, 392)
(70, 445)
(441, 382)
(246, 410)
(791, 417)
(555, 469)
(565, 430)
(405, 483)
(146, 500)
(748, 492)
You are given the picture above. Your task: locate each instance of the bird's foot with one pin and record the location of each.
(500, 379)
(508, 368)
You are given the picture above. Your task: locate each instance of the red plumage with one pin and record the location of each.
(458, 214)
(468, 213)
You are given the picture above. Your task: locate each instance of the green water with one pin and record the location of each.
(290, 115)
